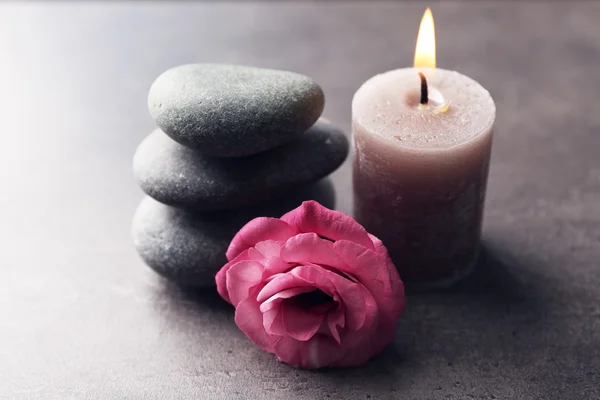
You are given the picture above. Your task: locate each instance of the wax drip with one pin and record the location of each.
(424, 89)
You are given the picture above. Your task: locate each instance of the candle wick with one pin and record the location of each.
(424, 89)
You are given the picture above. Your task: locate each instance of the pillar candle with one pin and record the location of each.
(420, 169)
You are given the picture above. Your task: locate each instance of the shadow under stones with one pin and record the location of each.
(322, 191)
(182, 298)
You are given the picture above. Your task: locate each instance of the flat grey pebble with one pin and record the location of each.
(189, 248)
(182, 177)
(231, 110)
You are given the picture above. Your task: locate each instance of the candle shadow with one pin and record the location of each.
(492, 276)
(449, 338)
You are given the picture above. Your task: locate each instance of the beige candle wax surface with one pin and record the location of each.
(420, 171)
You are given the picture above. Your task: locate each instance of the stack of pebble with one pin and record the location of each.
(233, 143)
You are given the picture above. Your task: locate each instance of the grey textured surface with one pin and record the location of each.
(178, 176)
(189, 247)
(233, 110)
(82, 317)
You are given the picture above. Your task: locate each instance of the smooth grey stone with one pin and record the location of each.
(182, 177)
(232, 111)
(189, 248)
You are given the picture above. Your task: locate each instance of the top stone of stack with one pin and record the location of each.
(233, 111)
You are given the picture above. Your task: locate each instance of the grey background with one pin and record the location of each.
(82, 318)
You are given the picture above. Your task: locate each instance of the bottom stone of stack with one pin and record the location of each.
(189, 247)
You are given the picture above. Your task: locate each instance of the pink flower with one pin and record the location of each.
(313, 287)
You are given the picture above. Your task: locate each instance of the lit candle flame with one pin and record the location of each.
(425, 51)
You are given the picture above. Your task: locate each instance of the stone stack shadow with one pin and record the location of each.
(233, 143)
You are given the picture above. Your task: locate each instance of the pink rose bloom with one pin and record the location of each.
(313, 287)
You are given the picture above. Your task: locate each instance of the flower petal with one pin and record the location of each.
(335, 321)
(361, 262)
(221, 277)
(367, 343)
(280, 283)
(351, 294)
(258, 230)
(273, 323)
(371, 330)
(274, 300)
(288, 350)
(384, 295)
(315, 276)
(269, 248)
(240, 278)
(354, 304)
(383, 254)
(334, 225)
(249, 319)
(300, 324)
(320, 351)
(358, 356)
(268, 254)
(377, 273)
(310, 248)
